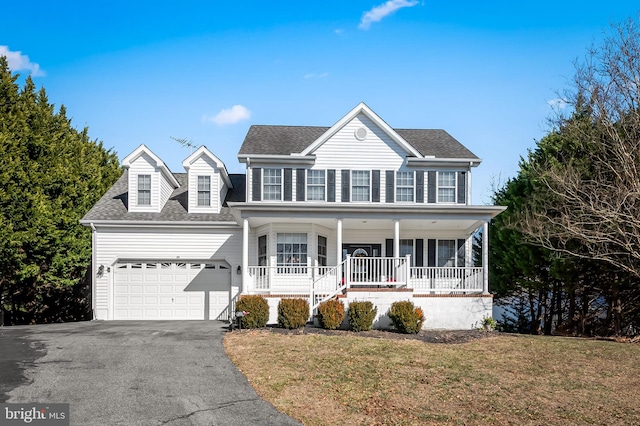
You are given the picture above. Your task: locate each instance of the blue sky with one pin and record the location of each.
(142, 72)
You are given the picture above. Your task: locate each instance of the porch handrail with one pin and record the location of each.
(339, 284)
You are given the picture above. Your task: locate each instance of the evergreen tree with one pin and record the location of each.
(50, 174)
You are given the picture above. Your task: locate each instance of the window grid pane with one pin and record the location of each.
(272, 182)
(360, 185)
(144, 190)
(446, 253)
(404, 186)
(291, 254)
(446, 187)
(315, 185)
(204, 190)
(322, 250)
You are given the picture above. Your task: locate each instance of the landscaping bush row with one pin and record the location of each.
(294, 313)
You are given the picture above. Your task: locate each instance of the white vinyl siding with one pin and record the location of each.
(316, 185)
(446, 187)
(344, 151)
(360, 185)
(272, 184)
(404, 186)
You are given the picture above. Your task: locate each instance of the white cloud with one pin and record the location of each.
(382, 11)
(229, 115)
(18, 62)
(323, 75)
(557, 103)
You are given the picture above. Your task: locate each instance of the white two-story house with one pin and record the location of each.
(358, 210)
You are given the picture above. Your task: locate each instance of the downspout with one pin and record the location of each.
(93, 271)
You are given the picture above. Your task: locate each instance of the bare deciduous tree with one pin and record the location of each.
(592, 209)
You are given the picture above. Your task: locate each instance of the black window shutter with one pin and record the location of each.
(419, 261)
(461, 253)
(462, 188)
(389, 247)
(288, 184)
(389, 186)
(346, 185)
(375, 186)
(431, 253)
(420, 186)
(300, 184)
(432, 186)
(331, 185)
(256, 184)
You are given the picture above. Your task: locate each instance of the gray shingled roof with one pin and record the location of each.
(113, 204)
(284, 140)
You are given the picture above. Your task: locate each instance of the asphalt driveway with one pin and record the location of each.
(131, 373)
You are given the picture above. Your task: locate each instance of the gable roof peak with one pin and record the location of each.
(204, 151)
(362, 108)
(143, 149)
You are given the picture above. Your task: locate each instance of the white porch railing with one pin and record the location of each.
(446, 280)
(375, 272)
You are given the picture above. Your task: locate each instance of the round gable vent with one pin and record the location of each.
(361, 133)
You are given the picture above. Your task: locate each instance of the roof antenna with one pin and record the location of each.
(184, 142)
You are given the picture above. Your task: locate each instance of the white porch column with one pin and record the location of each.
(338, 241)
(485, 258)
(245, 255)
(396, 238)
(338, 250)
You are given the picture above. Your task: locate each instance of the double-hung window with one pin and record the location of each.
(272, 184)
(204, 190)
(292, 253)
(446, 187)
(406, 248)
(262, 250)
(316, 181)
(360, 185)
(322, 250)
(144, 190)
(404, 186)
(446, 253)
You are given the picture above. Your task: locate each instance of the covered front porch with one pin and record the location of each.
(306, 250)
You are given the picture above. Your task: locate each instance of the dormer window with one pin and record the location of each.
(446, 187)
(272, 182)
(144, 190)
(204, 191)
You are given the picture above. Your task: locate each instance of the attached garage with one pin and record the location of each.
(163, 290)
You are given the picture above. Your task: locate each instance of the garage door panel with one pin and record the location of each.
(171, 290)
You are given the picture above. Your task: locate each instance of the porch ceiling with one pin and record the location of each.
(465, 226)
(454, 218)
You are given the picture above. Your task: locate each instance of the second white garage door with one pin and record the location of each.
(157, 290)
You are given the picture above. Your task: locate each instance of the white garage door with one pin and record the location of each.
(156, 290)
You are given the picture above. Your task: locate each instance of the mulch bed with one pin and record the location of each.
(429, 336)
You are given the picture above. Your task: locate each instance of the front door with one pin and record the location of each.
(362, 267)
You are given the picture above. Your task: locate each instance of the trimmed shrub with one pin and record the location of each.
(293, 313)
(361, 315)
(257, 308)
(405, 317)
(331, 314)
